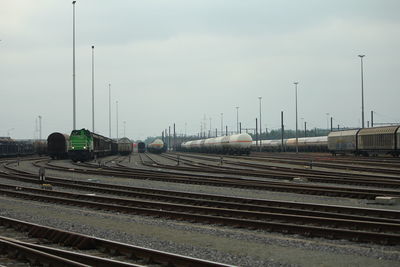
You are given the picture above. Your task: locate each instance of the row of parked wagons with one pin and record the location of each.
(16, 148)
(229, 144)
(304, 144)
(83, 145)
(366, 141)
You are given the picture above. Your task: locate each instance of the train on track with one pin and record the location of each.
(85, 145)
(305, 144)
(229, 144)
(141, 146)
(366, 141)
(125, 146)
(13, 148)
(157, 146)
(57, 145)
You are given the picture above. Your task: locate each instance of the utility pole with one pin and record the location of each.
(93, 88)
(40, 127)
(372, 118)
(297, 137)
(237, 119)
(117, 118)
(305, 129)
(260, 119)
(222, 123)
(362, 91)
(282, 132)
(73, 67)
(256, 132)
(209, 132)
(174, 147)
(109, 109)
(169, 137)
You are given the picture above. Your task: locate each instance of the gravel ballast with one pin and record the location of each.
(216, 243)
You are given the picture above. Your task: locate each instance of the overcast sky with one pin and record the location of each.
(180, 60)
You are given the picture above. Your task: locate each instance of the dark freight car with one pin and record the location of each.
(141, 147)
(57, 145)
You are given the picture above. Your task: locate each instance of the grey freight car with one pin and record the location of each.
(342, 142)
(378, 140)
(125, 146)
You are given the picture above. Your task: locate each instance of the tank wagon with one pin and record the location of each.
(85, 145)
(157, 146)
(230, 144)
(308, 144)
(305, 144)
(268, 145)
(366, 141)
(141, 147)
(57, 145)
(125, 146)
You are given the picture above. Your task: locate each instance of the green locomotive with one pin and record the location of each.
(85, 145)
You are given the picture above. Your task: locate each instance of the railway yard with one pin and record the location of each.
(190, 209)
(199, 134)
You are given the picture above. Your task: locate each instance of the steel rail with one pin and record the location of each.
(239, 182)
(365, 231)
(222, 201)
(277, 172)
(35, 257)
(85, 242)
(77, 257)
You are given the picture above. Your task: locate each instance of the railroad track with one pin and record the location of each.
(285, 186)
(221, 201)
(351, 227)
(47, 246)
(332, 163)
(282, 173)
(378, 161)
(315, 162)
(147, 160)
(285, 217)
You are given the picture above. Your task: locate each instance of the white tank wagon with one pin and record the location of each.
(232, 144)
(305, 144)
(315, 144)
(308, 144)
(157, 146)
(125, 146)
(240, 143)
(269, 145)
